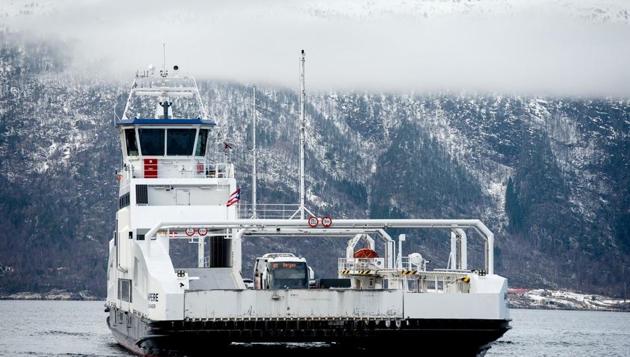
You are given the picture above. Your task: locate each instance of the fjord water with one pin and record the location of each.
(77, 328)
(565, 333)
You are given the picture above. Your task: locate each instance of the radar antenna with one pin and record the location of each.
(165, 105)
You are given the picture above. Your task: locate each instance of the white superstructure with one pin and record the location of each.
(171, 190)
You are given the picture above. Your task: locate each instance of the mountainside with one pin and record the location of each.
(550, 176)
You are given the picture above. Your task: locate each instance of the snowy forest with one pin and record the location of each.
(549, 175)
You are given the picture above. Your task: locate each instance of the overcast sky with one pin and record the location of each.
(539, 47)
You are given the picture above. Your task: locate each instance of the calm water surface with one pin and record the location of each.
(77, 328)
(565, 333)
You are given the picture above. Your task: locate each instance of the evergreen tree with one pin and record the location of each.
(513, 207)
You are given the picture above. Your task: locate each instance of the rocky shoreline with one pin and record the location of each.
(55, 294)
(517, 299)
(563, 300)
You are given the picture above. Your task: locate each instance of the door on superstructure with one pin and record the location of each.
(182, 197)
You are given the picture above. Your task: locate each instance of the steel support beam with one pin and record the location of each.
(252, 225)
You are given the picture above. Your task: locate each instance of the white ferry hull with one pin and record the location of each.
(170, 191)
(461, 337)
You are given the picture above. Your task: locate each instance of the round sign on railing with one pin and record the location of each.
(190, 232)
(326, 221)
(312, 221)
(202, 231)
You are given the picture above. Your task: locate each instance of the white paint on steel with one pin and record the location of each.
(463, 249)
(191, 194)
(302, 133)
(201, 255)
(401, 239)
(248, 224)
(455, 306)
(451, 264)
(254, 153)
(294, 303)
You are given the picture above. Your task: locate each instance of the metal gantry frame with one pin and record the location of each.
(343, 228)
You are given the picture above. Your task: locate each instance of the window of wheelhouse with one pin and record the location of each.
(180, 142)
(130, 142)
(200, 150)
(152, 141)
(168, 142)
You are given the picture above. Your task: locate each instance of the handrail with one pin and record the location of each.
(274, 224)
(193, 168)
(268, 210)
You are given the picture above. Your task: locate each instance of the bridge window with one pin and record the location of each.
(152, 141)
(200, 150)
(180, 141)
(130, 141)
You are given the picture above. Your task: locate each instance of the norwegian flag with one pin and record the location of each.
(234, 197)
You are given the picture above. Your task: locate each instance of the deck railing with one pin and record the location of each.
(268, 210)
(415, 278)
(183, 169)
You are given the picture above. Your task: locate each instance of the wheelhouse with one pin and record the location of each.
(164, 130)
(165, 140)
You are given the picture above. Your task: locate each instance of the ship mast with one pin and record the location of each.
(164, 57)
(302, 127)
(254, 153)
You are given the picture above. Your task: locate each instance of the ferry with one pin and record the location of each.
(172, 189)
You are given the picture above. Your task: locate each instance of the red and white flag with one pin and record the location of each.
(234, 197)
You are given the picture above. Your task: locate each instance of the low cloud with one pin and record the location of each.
(512, 46)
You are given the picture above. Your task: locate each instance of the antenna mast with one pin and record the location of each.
(164, 72)
(254, 153)
(302, 128)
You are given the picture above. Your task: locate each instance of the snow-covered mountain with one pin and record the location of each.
(592, 10)
(533, 47)
(563, 300)
(550, 176)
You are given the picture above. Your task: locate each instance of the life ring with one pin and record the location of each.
(202, 231)
(365, 253)
(313, 221)
(326, 221)
(190, 232)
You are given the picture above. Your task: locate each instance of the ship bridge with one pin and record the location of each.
(164, 130)
(168, 168)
